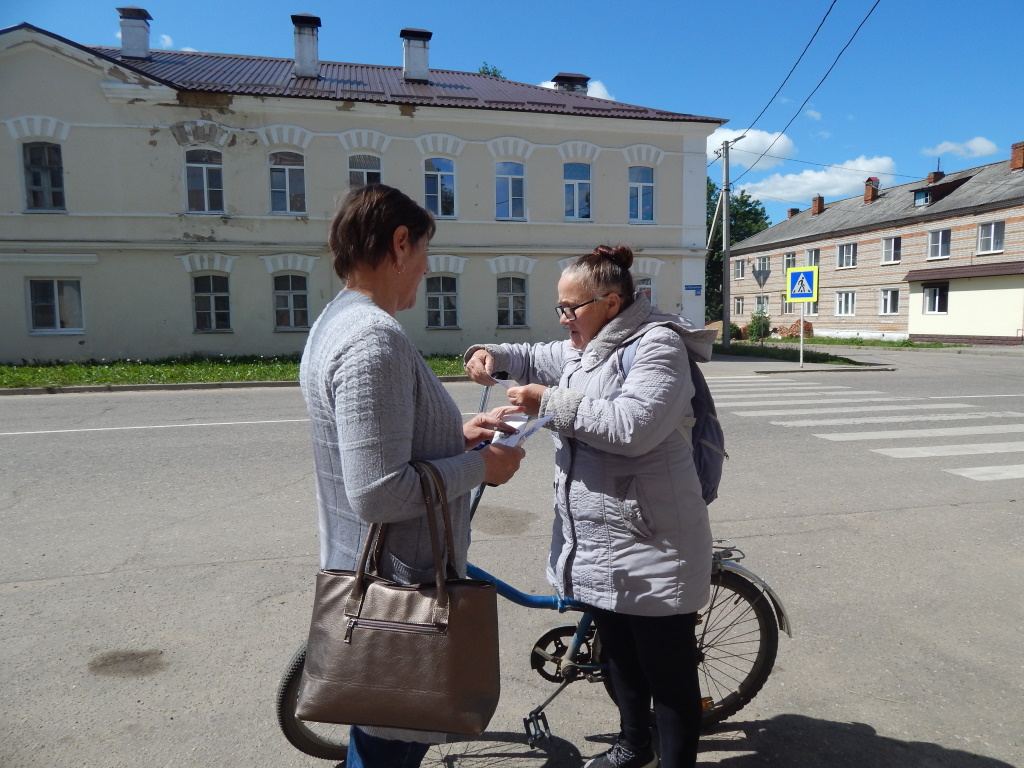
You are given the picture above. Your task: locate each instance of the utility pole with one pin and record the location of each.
(724, 196)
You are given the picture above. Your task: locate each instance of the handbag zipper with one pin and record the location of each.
(391, 626)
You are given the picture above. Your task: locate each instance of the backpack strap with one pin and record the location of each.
(626, 356)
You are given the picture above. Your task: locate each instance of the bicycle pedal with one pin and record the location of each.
(536, 726)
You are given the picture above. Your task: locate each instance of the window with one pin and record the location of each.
(813, 257)
(641, 193)
(645, 284)
(845, 302)
(211, 302)
(44, 177)
(287, 183)
(205, 180)
(363, 170)
(763, 263)
(509, 191)
(847, 256)
(761, 304)
(936, 298)
(737, 305)
(738, 267)
(55, 305)
(512, 302)
(788, 307)
(810, 307)
(291, 302)
(938, 244)
(577, 191)
(890, 303)
(440, 186)
(891, 250)
(788, 260)
(922, 198)
(990, 237)
(442, 302)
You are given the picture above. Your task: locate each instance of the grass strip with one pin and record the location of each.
(747, 349)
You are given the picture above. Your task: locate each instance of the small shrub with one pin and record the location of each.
(760, 326)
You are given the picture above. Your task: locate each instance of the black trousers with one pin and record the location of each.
(655, 657)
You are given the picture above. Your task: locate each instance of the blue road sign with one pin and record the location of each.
(802, 284)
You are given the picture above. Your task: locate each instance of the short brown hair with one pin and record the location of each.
(605, 270)
(362, 229)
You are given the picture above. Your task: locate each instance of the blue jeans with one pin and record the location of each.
(366, 751)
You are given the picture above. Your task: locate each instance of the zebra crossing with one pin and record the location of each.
(784, 403)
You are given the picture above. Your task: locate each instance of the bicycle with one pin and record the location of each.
(737, 640)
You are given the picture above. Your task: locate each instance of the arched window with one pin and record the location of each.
(577, 190)
(287, 182)
(291, 302)
(439, 185)
(211, 302)
(641, 193)
(363, 170)
(204, 178)
(511, 301)
(442, 301)
(509, 191)
(44, 177)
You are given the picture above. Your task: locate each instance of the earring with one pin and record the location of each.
(398, 271)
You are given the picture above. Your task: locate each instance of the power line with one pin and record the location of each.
(827, 165)
(820, 82)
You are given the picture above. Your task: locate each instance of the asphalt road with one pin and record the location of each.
(158, 552)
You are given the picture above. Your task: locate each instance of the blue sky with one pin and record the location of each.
(921, 84)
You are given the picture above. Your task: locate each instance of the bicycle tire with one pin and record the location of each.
(323, 740)
(737, 641)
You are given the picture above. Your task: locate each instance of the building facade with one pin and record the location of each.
(937, 260)
(168, 202)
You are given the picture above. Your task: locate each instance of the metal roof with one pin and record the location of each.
(973, 270)
(992, 186)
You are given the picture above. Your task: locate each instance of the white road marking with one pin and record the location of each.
(1011, 472)
(897, 434)
(894, 419)
(775, 387)
(152, 426)
(793, 397)
(830, 401)
(869, 408)
(957, 397)
(969, 449)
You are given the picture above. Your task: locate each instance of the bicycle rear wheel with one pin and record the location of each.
(737, 640)
(323, 740)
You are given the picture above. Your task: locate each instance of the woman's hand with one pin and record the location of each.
(481, 428)
(528, 397)
(479, 368)
(501, 462)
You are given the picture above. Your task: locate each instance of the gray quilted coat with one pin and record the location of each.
(631, 531)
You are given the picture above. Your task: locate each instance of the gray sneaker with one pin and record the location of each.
(625, 755)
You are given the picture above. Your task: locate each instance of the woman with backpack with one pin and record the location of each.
(631, 537)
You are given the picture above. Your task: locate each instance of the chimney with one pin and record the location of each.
(791, 212)
(416, 58)
(1017, 156)
(307, 54)
(134, 32)
(817, 205)
(572, 83)
(935, 176)
(870, 189)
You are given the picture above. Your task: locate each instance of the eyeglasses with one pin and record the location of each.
(569, 313)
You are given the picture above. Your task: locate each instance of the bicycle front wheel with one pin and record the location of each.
(737, 640)
(323, 740)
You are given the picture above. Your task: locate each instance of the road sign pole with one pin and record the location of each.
(802, 305)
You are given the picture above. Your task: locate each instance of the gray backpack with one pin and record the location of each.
(706, 438)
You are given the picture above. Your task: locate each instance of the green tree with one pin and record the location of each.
(747, 217)
(492, 71)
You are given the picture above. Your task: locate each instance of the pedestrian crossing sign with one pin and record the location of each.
(802, 284)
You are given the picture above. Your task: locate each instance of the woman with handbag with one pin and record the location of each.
(631, 536)
(374, 407)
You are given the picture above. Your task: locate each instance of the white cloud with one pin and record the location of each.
(118, 35)
(976, 147)
(755, 142)
(166, 42)
(844, 180)
(824, 134)
(186, 48)
(813, 114)
(595, 88)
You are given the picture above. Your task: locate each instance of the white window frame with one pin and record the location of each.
(291, 302)
(577, 190)
(739, 269)
(290, 179)
(991, 235)
(936, 299)
(846, 256)
(65, 306)
(889, 301)
(646, 284)
(359, 176)
(761, 302)
(505, 178)
(788, 307)
(435, 201)
(813, 257)
(922, 197)
(762, 263)
(211, 176)
(737, 305)
(44, 182)
(810, 308)
(506, 301)
(637, 191)
(788, 260)
(846, 303)
(939, 244)
(212, 307)
(436, 301)
(892, 250)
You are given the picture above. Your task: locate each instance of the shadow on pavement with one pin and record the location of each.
(504, 748)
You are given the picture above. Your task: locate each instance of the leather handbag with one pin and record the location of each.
(419, 656)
